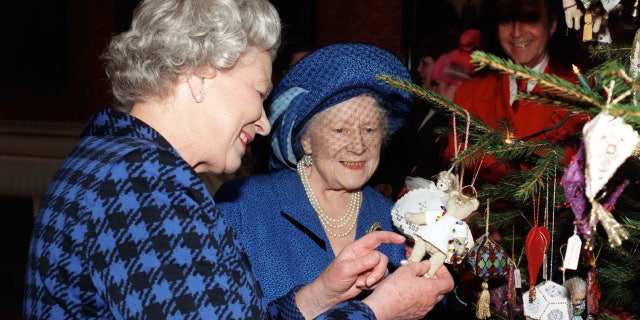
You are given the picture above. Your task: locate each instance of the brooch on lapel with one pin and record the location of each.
(375, 227)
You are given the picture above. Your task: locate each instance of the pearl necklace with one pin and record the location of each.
(327, 222)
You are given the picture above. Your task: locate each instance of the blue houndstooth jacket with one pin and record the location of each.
(128, 230)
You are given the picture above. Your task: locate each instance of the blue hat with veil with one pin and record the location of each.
(324, 78)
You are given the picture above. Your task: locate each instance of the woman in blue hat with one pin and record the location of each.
(330, 116)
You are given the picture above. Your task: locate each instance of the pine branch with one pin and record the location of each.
(617, 53)
(549, 83)
(439, 102)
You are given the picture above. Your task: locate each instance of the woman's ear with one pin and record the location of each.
(306, 145)
(196, 85)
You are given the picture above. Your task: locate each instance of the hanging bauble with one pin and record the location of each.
(551, 302)
(488, 259)
(536, 246)
(608, 141)
(573, 184)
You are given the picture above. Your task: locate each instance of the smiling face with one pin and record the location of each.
(524, 38)
(344, 142)
(234, 112)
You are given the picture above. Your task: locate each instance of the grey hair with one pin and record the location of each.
(171, 38)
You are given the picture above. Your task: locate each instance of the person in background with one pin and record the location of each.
(127, 230)
(330, 116)
(530, 33)
(454, 67)
(429, 50)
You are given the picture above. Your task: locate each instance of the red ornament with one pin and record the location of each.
(536, 246)
(593, 292)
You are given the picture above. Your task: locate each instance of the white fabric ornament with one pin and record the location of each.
(572, 14)
(608, 143)
(427, 199)
(551, 302)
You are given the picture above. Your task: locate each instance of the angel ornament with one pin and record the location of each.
(423, 196)
(438, 229)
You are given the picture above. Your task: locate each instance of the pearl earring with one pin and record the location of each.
(199, 97)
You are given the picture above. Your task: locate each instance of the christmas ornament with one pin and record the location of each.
(608, 143)
(551, 302)
(573, 184)
(634, 64)
(572, 14)
(604, 37)
(536, 246)
(488, 260)
(593, 292)
(587, 33)
(423, 196)
(577, 289)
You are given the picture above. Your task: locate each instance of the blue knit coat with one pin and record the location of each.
(281, 232)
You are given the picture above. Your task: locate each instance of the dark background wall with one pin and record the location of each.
(50, 66)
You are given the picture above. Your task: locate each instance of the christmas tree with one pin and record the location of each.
(595, 199)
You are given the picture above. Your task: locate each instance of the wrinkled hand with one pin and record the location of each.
(406, 294)
(358, 267)
(572, 14)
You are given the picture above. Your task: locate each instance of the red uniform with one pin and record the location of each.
(488, 98)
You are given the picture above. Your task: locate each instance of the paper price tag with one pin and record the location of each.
(572, 256)
(517, 279)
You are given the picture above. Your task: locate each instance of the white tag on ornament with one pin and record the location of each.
(517, 279)
(572, 256)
